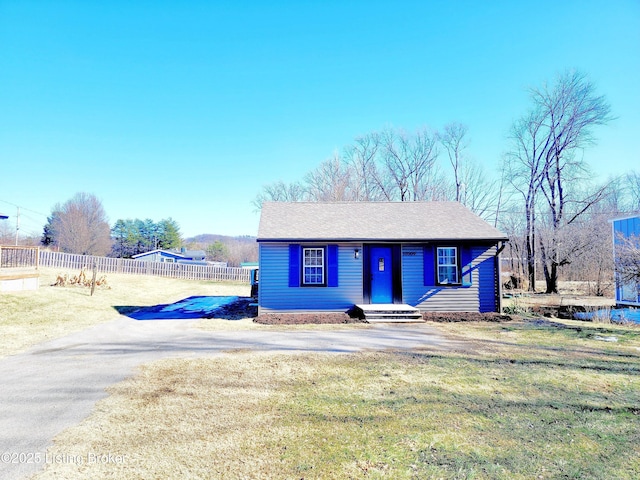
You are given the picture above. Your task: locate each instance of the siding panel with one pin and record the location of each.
(484, 258)
(479, 296)
(275, 295)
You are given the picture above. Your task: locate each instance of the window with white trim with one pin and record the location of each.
(313, 266)
(448, 272)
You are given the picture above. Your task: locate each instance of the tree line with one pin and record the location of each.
(80, 226)
(132, 237)
(543, 194)
(397, 165)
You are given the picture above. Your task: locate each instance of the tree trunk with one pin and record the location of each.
(530, 242)
(551, 278)
(550, 267)
(531, 263)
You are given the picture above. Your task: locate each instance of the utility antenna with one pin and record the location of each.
(17, 225)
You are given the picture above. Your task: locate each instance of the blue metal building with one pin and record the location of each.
(627, 293)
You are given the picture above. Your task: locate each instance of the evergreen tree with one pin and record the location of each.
(47, 233)
(217, 251)
(168, 234)
(131, 237)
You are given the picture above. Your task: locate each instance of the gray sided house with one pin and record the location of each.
(436, 256)
(169, 256)
(627, 292)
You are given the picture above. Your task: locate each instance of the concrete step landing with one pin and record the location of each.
(389, 313)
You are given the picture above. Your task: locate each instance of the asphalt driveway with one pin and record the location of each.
(55, 385)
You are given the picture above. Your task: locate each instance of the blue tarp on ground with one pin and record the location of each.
(189, 308)
(616, 314)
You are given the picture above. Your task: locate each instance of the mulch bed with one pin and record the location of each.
(304, 318)
(245, 307)
(337, 318)
(465, 317)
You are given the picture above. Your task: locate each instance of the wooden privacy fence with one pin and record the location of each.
(19, 257)
(137, 267)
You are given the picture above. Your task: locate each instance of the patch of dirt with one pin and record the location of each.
(304, 318)
(558, 311)
(244, 307)
(541, 322)
(466, 317)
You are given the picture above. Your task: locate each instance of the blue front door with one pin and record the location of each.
(381, 275)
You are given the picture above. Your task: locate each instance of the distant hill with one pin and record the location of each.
(207, 238)
(238, 249)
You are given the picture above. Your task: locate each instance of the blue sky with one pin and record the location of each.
(186, 109)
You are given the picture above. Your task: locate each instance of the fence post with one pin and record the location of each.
(93, 280)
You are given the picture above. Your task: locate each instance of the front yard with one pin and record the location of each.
(32, 317)
(531, 399)
(522, 399)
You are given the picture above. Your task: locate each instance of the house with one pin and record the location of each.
(433, 256)
(627, 292)
(168, 256)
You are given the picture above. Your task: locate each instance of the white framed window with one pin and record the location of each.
(313, 266)
(167, 259)
(448, 271)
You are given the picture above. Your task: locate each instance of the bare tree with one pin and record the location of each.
(455, 141)
(410, 162)
(480, 191)
(628, 259)
(330, 181)
(511, 223)
(616, 199)
(241, 251)
(474, 187)
(571, 109)
(7, 233)
(591, 237)
(80, 226)
(632, 181)
(545, 160)
(280, 192)
(368, 183)
(524, 165)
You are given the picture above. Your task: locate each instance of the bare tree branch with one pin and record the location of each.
(628, 259)
(544, 159)
(80, 226)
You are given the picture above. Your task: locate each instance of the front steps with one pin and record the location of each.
(389, 313)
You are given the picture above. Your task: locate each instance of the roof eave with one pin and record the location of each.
(388, 240)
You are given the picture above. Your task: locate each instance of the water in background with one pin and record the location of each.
(615, 314)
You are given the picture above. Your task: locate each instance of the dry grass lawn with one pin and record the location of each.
(29, 318)
(530, 399)
(525, 400)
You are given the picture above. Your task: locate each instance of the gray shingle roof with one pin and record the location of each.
(378, 221)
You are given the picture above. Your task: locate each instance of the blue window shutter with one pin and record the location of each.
(294, 265)
(429, 267)
(332, 265)
(466, 271)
